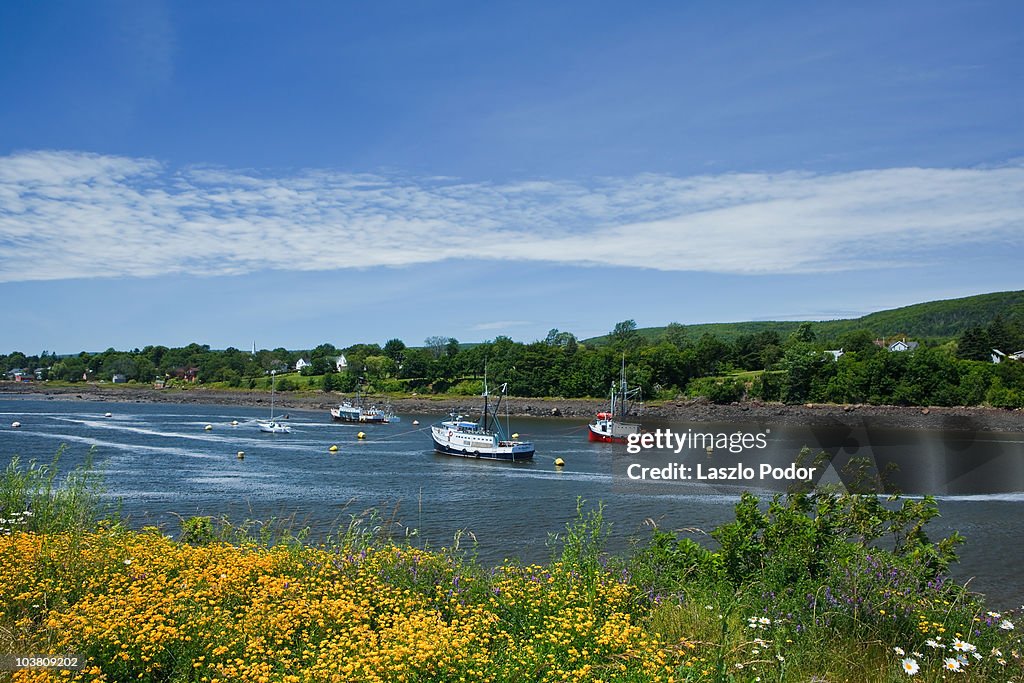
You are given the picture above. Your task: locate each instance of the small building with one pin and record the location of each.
(188, 374)
(997, 356)
(836, 353)
(302, 363)
(1017, 356)
(118, 378)
(902, 345)
(341, 364)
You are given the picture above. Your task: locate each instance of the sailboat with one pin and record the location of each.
(609, 427)
(272, 426)
(472, 440)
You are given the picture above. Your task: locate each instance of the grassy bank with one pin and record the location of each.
(808, 587)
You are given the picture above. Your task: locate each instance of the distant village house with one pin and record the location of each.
(189, 374)
(998, 356)
(897, 346)
(836, 353)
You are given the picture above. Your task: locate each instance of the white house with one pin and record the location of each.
(997, 356)
(836, 353)
(302, 363)
(341, 364)
(903, 345)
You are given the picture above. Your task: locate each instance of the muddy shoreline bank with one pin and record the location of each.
(689, 410)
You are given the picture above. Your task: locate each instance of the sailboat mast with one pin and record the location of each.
(273, 373)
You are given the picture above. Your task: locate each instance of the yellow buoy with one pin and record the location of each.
(361, 435)
(241, 454)
(559, 462)
(516, 435)
(208, 427)
(333, 449)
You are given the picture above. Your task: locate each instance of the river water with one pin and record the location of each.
(161, 463)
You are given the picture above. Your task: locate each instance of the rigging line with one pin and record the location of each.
(395, 436)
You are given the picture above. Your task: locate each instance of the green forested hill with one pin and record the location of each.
(944, 319)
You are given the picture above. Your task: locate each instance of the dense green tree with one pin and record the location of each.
(675, 334)
(974, 344)
(395, 350)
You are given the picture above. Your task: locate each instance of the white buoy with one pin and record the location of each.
(15, 424)
(234, 423)
(241, 454)
(208, 427)
(415, 422)
(108, 415)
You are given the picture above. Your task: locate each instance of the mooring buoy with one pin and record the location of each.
(333, 449)
(559, 462)
(361, 435)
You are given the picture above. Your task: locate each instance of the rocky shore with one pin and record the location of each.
(689, 410)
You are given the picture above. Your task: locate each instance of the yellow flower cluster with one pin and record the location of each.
(140, 606)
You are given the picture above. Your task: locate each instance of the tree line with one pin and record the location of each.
(764, 365)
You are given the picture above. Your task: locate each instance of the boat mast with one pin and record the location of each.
(272, 374)
(485, 397)
(623, 388)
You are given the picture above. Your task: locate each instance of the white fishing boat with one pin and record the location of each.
(486, 441)
(609, 426)
(273, 426)
(356, 411)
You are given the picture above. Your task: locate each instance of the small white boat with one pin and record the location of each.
(273, 427)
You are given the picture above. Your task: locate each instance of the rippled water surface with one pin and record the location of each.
(161, 463)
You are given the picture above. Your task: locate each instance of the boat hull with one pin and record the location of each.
(608, 431)
(454, 438)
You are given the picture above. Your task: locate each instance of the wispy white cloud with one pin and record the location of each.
(88, 215)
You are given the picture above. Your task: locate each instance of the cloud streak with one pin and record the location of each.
(86, 215)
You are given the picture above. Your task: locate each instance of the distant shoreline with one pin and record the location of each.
(687, 410)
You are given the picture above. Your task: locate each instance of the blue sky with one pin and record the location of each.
(342, 172)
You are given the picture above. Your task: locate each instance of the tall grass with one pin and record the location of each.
(33, 498)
